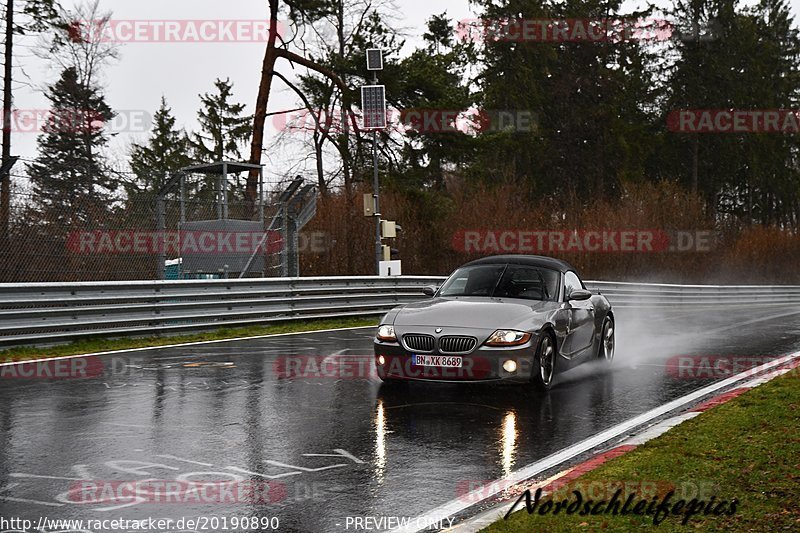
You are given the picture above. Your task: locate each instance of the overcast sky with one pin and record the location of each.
(181, 71)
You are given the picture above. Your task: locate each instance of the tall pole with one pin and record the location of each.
(376, 185)
(373, 99)
(161, 226)
(5, 187)
(696, 137)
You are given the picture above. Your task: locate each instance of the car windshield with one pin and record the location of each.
(503, 281)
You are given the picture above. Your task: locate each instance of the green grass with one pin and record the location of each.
(93, 345)
(747, 448)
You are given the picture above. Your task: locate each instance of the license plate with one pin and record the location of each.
(444, 361)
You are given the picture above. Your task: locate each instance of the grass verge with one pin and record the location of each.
(747, 448)
(92, 345)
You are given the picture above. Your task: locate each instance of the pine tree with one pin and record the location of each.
(166, 151)
(71, 181)
(224, 130)
(440, 32)
(589, 100)
(432, 78)
(752, 63)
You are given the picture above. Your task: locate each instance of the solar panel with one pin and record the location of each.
(373, 104)
(374, 59)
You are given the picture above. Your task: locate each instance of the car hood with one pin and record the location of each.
(474, 312)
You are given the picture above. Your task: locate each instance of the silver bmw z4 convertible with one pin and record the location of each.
(515, 318)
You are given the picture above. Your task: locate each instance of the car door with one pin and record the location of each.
(580, 326)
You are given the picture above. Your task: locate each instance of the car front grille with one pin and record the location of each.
(419, 343)
(457, 344)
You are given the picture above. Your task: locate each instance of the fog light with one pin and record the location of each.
(381, 360)
(510, 366)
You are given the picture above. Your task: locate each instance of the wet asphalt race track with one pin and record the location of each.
(324, 445)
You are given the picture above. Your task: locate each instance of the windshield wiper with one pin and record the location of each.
(499, 279)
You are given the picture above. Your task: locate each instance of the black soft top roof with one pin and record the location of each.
(531, 260)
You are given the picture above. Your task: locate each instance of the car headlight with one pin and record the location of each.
(508, 337)
(386, 334)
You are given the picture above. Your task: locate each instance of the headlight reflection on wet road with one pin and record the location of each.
(380, 443)
(509, 442)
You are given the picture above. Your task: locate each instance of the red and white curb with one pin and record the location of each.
(519, 481)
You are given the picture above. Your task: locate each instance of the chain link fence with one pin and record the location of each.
(95, 239)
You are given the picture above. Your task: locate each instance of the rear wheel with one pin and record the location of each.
(544, 367)
(607, 341)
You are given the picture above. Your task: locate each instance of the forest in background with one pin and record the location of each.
(600, 151)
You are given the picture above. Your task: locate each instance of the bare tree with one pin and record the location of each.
(36, 15)
(322, 56)
(80, 42)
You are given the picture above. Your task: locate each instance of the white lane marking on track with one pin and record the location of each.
(767, 377)
(37, 476)
(198, 343)
(303, 468)
(481, 494)
(335, 355)
(339, 453)
(660, 428)
(35, 502)
(268, 476)
(174, 458)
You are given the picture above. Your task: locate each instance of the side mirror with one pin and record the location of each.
(430, 290)
(580, 295)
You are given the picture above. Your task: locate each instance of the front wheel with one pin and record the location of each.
(544, 367)
(607, 341)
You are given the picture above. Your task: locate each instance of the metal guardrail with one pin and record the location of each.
(642, 295)
(38, 313)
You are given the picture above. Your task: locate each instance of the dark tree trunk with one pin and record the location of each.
(267, 74)
(260, 116)
(5, 188)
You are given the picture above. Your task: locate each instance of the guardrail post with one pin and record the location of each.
(161, 226)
